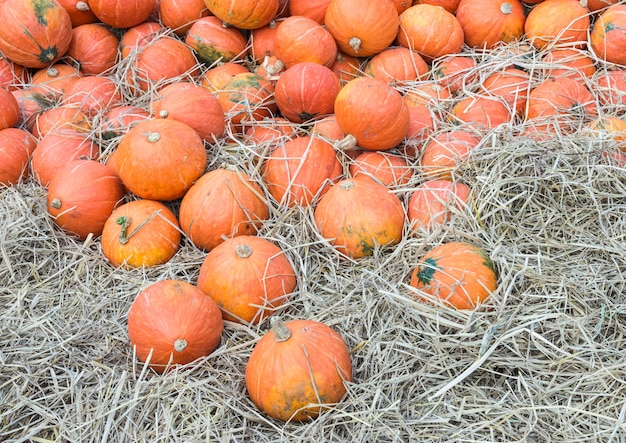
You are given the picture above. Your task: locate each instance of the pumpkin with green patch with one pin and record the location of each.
(458, 274)
(34, 33)
(213, 42)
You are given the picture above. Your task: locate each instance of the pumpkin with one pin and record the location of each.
(159, 159)
(458, 274)
(358, 226)
(122, 13)
(301, 39)
(12, 75)
(10, 109)
(136, 38)
(444, 152)
(301, 170)
(244, 14)
(31, 104)
(561, 97)
(298, 369)
(57, 148)
(171, 323)
(16, 147)
(429, 93)
(82, 196)
(346, 67)
(79, 11)
(487, 23)
(53, 80)
(270, 69)
(434, 202)
(63, 117)
(262, 42)
(397, 65)
(94, 47)
(212, 42)
(247, 97)
(266, 135)
(306, 91)
(93, 94)
(215, 79)
(34, 33)
(455, 72)
(388, 169)
(481, 113)
(248, 277)
(449, 5)
(596, 5)
(117, 120)
(511, 85)
(608, 35)
(569, 62)
(553, 22)
(140, 233)
(611, 88)
(362, 31)
(373, 112)
(430, 30)
(179, 15)
(181, 101)
(224, 202)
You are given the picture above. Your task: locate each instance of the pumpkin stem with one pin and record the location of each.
(355, 43)
(243, 251)
(180, 344)
(346, 143)
(506, 8)
(346, 185)
(52, 72)
(279, 328)
(163, 113)
(82, 6)
(154, 137)
(124, 222)
(56, 203)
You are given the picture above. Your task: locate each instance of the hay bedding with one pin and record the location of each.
(542, 361)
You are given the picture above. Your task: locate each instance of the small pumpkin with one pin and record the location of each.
(248, 277)
(313, 9)
(122, 13)
(64, 117)
(172, 323)
(346, 67)
(449, 5)
(388, 169)
(224, 202)
(244, 14)
(94, 47)
(553, 22)
(82, 196)
(140, 233)
(611, 88)
(12, 75)
(16, 147)
(79, 11)
(298, 369)
(301, 39)
(357, 226)
(443, 153)
(212, 42)
(247, 97)
(458, 274)
(608, 35)
(262, 42)
(569, 62)
(455, 72)
(117, 120)
(481, 113)
(434, 202)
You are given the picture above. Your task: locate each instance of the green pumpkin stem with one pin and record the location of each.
(279, 328)
(125, 222)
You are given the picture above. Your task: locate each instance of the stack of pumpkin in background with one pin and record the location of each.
(115, 107)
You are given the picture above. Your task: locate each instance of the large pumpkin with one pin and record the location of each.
(362, 31)
(244, 14)
(487, 23)
(301, 170)
(172, 323)
(159, 159)
(248, 277)
(122, 13)
(140, 233)
(34, 33)
(434, 202)
(82, 196)
(373, 112)
(608, 36)
(222, 203)
(359, 215)
(459, 274)
(553, 22)
(298, 369)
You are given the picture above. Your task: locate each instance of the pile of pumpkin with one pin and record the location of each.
(115, 105)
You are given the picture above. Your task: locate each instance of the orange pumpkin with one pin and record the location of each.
(16, 147)
(430, 30)
(596, 5)
(444, 152)
(10, 109)
(222, 203)
(247, 97)
(181, 101)
(429, 93)
(613, 126)
(357, 226)
(12, 75)
(63, 117)
(262, 42)
(122, 13)
(212, 42)
(511, 85)
(268, 134)
(301, 39)
(160, 159)
(138, 37)
(306, 91)
(82, 196)
(346, 67)
(561, 97)
(179, 15)
(140, 233)
(117, 120)
(569, 62)
(458, 274)
(434, 202)
(553, 22)
(480, 112)
(301, 170)
(31, 105)
(313, 9)
(215, 79)
(388, 169)
(94, 47)
(244, 14)
(55, 79)
(248, 277)
(608, 36)
(449, 5)
(487, 23)
(362, 31)
(298, 369)
(173, 323)
(34, 34)
(397, 65)
(455, 72)
(79, 11)
(93, 94)
(421, 126)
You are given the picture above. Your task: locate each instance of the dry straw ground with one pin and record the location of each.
(542, 361)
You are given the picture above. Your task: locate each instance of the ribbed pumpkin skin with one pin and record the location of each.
(459, 274)
(608, 36)
(34, 33)
(301, 39)
(373, 112)
(223, 202)
(362, 31)
(309, 368)
(359, 214)
(82, 196)
(122, 13)
(165, 314)
(244, 14)
(486, 23)
(140, 233)
(248, 277)
(553, 22)
(95, 47)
